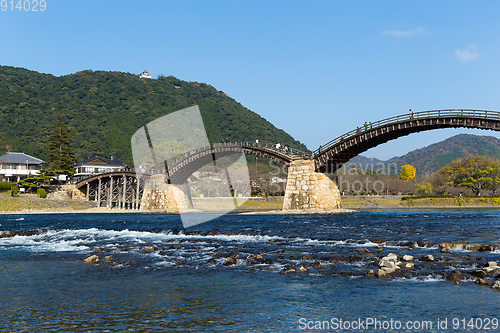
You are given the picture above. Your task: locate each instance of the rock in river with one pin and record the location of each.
(428, 257)
(407, 265)
(479, 274)
(148, 249)
(91, 259)
(483, 282)
(454, 276)
(230, 261)
(447, 246)
(408, 257)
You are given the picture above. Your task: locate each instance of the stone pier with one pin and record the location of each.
(160, 196)
(306, 189)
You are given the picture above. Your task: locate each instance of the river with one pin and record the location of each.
(155, 276)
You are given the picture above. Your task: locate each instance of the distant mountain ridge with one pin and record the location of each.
(432, 158)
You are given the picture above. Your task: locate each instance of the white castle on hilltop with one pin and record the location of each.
(145, 75)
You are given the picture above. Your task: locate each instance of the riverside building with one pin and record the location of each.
(16, 166)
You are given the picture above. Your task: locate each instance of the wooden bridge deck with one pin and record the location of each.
(335, 153)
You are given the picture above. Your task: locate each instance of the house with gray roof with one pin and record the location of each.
(96, 165)
(16, 166)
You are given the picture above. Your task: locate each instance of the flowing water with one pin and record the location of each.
(154, 276)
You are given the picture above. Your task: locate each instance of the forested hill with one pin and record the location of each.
(436, 156)
(104, 109)
(432, 158)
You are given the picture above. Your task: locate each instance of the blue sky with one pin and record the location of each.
(314, 69)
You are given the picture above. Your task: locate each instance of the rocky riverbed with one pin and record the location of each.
(354, 245)
(453, 262)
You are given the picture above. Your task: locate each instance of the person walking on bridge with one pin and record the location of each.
(257, 143)
(411, 114)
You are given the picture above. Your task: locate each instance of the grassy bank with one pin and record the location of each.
(369, 202)
(392, 202)
(8, 204)
(452, 202)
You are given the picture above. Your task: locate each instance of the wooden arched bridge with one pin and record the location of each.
(331, 156)
(124, 188)
(121, 188)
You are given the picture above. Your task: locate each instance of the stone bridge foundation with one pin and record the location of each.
(306, 189)
(160, 196)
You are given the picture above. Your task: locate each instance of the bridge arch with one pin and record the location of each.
(184, 166)
(339, 151)
(119, 188)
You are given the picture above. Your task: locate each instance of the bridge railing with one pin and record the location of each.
(465, 113)
(286, 151)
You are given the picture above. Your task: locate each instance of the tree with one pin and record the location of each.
(474, 172)
(424, 188)
(439, 183)
(44, 177)
(407, 172)
(61, 155)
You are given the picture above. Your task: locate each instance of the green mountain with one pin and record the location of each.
(432, 158)
(104, 109)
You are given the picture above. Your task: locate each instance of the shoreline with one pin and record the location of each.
(105, 210)
(254, 206)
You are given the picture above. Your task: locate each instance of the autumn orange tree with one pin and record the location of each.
(474, 172)
(407, 172)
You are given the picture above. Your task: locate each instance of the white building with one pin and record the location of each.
(144, 75)
(15, 166)
(96, 165)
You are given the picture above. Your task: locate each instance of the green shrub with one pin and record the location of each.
(14, 191)
(424, 188)
(5, 186)
(41, 193)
